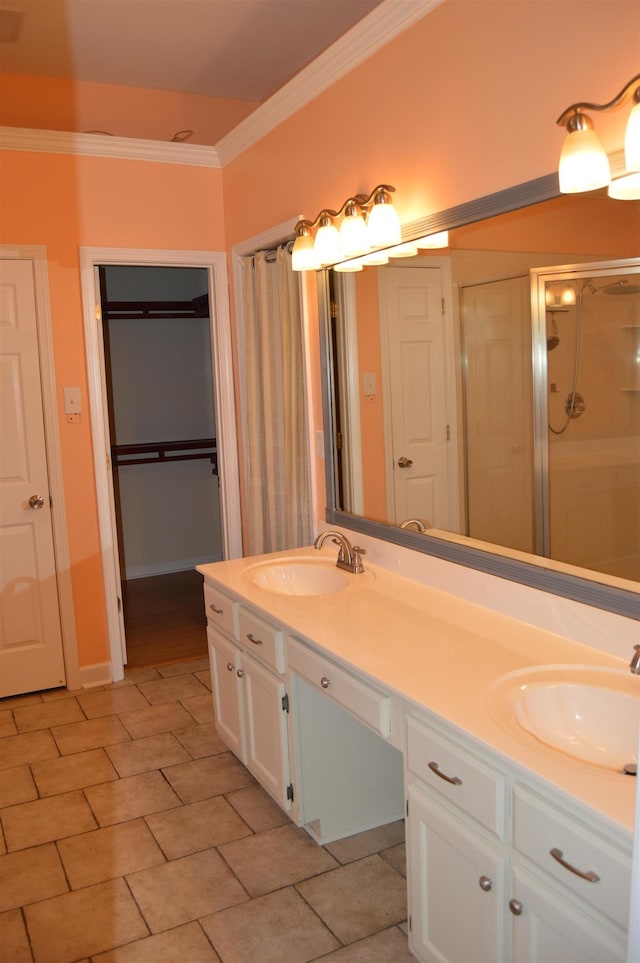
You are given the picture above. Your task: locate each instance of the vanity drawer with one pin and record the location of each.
(221, 610)
(460, 777)
(263, 640)
(359, 699)
(539, 828)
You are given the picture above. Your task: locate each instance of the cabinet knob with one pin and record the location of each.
(230, 666)
(516, 907)
(324, 682)
(485, 884)
(240, 673)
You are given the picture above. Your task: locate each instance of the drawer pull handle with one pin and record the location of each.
(230, 666)
(251, 639)
(434, 767)
(590, 876)
(324, 682)
(485, 884)
(240, 673)
(516, 907)
(214, 609)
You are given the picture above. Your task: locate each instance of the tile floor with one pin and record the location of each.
(130, 834)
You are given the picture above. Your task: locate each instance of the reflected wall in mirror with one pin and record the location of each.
(492, 389)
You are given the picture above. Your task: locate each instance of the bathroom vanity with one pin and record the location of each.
(358, 700)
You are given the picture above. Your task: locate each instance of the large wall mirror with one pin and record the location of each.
(490, 392)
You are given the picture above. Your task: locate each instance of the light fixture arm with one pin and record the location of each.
(620, 98)
(304, 226)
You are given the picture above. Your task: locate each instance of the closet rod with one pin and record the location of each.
(152, 452)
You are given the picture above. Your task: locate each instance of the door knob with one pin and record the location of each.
(36, 502)
(404, 462)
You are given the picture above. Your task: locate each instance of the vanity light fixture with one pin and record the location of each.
(584, 165)
(366, 223)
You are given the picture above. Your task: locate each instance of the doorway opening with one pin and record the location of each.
(161, 414)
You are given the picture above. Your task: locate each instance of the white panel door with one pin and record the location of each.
(31, 655)
(416, 406)
(266, 729)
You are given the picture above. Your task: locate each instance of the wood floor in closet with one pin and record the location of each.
(164, 619)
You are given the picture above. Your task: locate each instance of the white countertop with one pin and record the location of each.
(442, 654)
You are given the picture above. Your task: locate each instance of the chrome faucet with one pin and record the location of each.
(416, 523)
(634, 665)
(349, 556)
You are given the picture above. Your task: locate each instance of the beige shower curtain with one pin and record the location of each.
(276, 437)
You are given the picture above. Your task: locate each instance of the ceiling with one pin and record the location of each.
(238, 49)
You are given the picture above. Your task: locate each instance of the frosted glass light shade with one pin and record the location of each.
(404, 250)
(568, 295)
(303, 255)
(440, 239)
(353, 235)
(349, 266)
(625, 188)
(383, 225)
(376, 257)
(327, 247)
(632, 141)
(584, 165)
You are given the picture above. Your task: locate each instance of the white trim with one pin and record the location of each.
(349, 376)
(102, 145)
(215, 263)
(375, 30)
(37, 254)
(94, 675)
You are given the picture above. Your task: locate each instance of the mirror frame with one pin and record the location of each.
(534, 574)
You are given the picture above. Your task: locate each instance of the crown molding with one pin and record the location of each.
(374, 31)
(103, 145)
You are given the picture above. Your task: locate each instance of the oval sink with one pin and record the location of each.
(299, 576)
(587, 713)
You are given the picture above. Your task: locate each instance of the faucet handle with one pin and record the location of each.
(356, 555)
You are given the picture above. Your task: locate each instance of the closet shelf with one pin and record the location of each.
(128, 310)
(163, 451)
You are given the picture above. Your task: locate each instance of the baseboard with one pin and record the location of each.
(168, 568)
(94, 675)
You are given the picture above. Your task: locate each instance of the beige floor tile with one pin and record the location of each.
(257, 808)
(183, 668)
(184, 944)
(364, 844)
(154, 719)
(17, 786)
(108, 853)
(14, 942)
(275, 859)
(276, 928)
(32, 823)
(73, 772)
(55, 695)
(48, 714)
(7, 725)
(358, 899)
(200, 707)
(134, 676)
(171, 690)
(112, 701)
(185, 889)
(208, 777)
(202, 740)
(29, 876)
(390, 946)
(142, 755)
(25, 748)
(93, 734)
(197, 826)
(396, 856)
(204, 677)
(3, 845)
(84, 922)
(129, 798)
(21, 700)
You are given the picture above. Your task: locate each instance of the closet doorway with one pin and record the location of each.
(162, 429)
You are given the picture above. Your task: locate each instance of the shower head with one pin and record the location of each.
(614, 287)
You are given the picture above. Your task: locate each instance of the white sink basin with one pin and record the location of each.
(299, 575)
(587, 713)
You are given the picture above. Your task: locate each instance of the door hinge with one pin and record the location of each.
(334, 310)
(290, 792)
(409, 922)
(119, 604)
(448, 432)
(444, 306)
(407, 808)
(285, 702)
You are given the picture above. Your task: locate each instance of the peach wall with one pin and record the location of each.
(63, 203)
(55, 103)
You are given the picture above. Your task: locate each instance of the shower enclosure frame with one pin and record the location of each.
(539, 277)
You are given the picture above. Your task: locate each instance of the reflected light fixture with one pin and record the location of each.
(366, 224)
(584, 165)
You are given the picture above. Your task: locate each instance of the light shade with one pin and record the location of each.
(303, 255)
(440, 239)
(383, 224)
(410, 249)
(354, 237)
(584, 165)
(349, 266)
(327, 247)
(632, 140)
(626, 188)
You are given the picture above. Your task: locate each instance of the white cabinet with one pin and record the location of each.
(224, 659)
(501, 871)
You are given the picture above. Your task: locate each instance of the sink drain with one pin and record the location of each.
(631, 769)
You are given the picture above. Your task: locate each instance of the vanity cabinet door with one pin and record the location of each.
(546, 928)
(225, 662)
(266, 729)
(457, 887)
